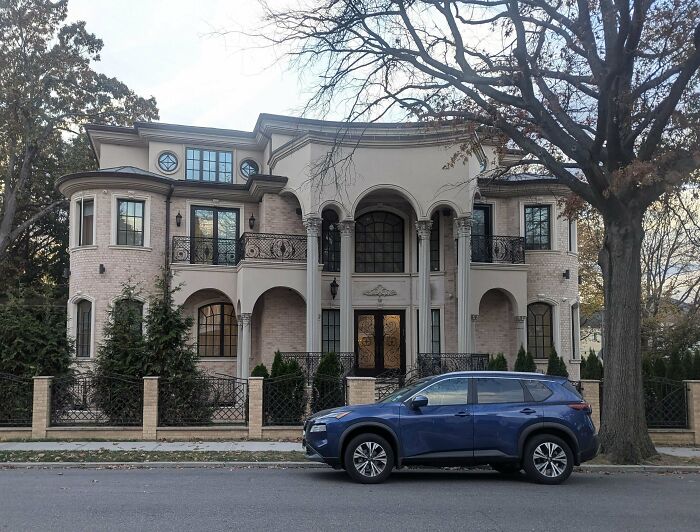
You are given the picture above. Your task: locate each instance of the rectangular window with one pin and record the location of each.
(330, 331)
(86, 214)
(434, 328)
(208, 165)
(130, 222)
(572, 236)
(83, 329)
(537, 227)
(492, 391)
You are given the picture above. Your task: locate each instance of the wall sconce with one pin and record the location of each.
(566, 274)
(334, 288)
(251, 221)
(477, 194)
(102, 268)
(178, 219)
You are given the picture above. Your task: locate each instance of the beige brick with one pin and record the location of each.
(41, 407)
(361, 390)
(693, 388)
(591, 393)
(255, 407)
(150, 408)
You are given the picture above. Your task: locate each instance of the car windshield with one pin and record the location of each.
(405, 392)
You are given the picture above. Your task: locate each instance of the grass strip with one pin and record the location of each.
(150, 456)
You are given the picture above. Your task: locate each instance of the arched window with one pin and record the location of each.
(539, 329)
(133, 308)
(330, 241)
(217, 330)
(379, 243)
(83, 328)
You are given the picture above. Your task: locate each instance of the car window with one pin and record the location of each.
(569, 386)
(405, 392)
(491, 391)
(447, 392)
(538, 390)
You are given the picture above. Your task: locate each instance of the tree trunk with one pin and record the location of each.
(623, 435)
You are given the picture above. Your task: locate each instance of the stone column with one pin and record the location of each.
(41, 407)
(255, 407)
(693, 388)
(313, 285)
(245, 345)
(464, 229)
(361, 390)
(590, 389)
(150, 408)
(424, 316)
(346, 316)
(521, 330)
(239, 349)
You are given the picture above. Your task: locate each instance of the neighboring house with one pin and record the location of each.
(270, 259)
(592, 333)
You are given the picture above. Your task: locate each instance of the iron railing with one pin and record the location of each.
(269, 246)
(309, 361)
(204, 250)
(15, 401)
(93, 399)
(391, 380)
(502, 249)
(284, 400)
(666, 403)
(437, 363)
(328, 391)
(203, 400)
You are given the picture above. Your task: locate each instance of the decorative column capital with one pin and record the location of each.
(313, 226)
(475, 317)
(423, 228)
(346, 227)
(520, 319)
(244, 318)
(464, 225)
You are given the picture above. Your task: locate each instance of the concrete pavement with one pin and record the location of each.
(149, 446)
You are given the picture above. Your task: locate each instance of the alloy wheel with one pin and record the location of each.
(549, 459)
(369, 459)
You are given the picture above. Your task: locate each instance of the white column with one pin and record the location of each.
(346, 316)
(464, 228)
(520, 324)
(313, 285)
(239, 349)
(424, 316)
(245, 345)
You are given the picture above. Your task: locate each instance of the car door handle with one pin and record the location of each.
(528, 411)
(463, 414)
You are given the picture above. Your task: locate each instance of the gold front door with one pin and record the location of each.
(379, 341)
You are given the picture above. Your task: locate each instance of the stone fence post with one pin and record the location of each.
(150, 408)
(361, 390)
(591, 393)
(693, 388)
(41, 407)
(255, 407)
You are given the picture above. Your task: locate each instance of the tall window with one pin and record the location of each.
(217, 330)
(330, 331)
(130, 222)
(208, 165)
(83, 329)
(435, 346)
(86, 215)
(330, 241)
(537, 227)
(539, 329)
(124, 306)
(434, 244)
(379, 243)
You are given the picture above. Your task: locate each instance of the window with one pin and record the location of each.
(249, 168)
(208, 165)
(130, 222)
(379, 243)
(538, 390)
(167, 162)
(447, 392)
(330, 331)
(572, 235)
(83, 329)
(86, 218)
(217, 331)
(124, 307)
(537, 227)
(434, 329)
(434, 244)
(330, 241)
(493, 391)
(539, 329)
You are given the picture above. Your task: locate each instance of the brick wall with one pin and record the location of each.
(494, 330)
(278, 215)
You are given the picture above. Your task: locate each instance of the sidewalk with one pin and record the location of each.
(151, 446)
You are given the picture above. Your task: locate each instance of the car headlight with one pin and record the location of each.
(321, 427)
(335, 415)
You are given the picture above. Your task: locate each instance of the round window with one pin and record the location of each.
(167, 162)
(249, 168)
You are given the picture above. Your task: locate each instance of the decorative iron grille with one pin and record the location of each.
(327, 392)
(438, 363)
(202, 400)
(16, 398)
(270, 246)
(666, 403)
(284, 400)
(204, 250)
(391, 380)
(503, 249)
(92, 399)
(309, 361)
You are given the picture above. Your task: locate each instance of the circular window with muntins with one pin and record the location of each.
(249, 168)
(167, 162)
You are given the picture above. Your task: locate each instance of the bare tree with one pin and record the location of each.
(597, 93)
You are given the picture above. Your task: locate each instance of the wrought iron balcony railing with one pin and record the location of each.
(502, 249)
(204, 250)
(269, 246)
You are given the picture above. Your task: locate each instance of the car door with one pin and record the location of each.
(442, 429)
(502, 411)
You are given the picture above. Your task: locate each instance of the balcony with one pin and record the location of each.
(270, 246)
(498, 249)
(204, 250)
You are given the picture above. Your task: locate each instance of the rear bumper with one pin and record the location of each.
(589, 454)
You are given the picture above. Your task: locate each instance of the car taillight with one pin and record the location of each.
(581, 406)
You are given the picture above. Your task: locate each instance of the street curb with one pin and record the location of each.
(604, 468)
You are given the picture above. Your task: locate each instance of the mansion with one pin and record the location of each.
(387, 252)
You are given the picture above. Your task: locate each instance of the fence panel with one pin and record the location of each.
(309, 361)
(284, 400)
(666, 403)
(328, 392)
(391, 380)
(16, 400)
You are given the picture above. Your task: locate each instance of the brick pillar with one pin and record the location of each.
(255, 407)
(591, 393)
(693, 388)
(41, 407)
(150, 408)
(361, 390)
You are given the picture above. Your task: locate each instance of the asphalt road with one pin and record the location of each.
(323, 499)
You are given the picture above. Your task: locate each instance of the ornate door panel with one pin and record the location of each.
(380, 341)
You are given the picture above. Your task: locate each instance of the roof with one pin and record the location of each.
(513, 374)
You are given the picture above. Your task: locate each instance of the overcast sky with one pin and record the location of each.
(165, 48)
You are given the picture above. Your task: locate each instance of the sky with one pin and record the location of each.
(169, 49)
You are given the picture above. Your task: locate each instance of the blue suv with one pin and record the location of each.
(510, 421)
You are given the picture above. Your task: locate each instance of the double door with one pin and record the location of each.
(380, 341)
(214, 235)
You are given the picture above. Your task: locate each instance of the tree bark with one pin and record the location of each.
(623, 435)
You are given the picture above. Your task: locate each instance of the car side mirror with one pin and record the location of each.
(419, 401)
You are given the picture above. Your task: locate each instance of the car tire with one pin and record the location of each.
(369, 459)
(506, 468)
(548, 459)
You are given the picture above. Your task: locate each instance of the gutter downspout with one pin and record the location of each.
(167, 235)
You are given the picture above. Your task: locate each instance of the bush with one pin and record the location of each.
(524, 362)
(498, 363)
(328, 384)
(556, 365)
(591, 366)
(285, 392)
(260, 371)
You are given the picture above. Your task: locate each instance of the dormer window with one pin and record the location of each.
(209, 165)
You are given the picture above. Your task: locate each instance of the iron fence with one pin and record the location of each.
(284, 400)
(503, 249)
(16, 399)
(665, 403)
(95, 399)
(271, 246)
(327, 392)
(438, 363)
(204, 250)
(309, 362)
(391, 380)
(202, 400)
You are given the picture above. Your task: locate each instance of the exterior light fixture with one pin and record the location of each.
(251, 221)
(334, 288)
(178, 219)
(477, 194)
(567, 274)
(102, 268)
